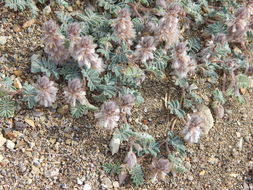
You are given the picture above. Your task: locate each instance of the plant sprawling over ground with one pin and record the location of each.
(103, 57)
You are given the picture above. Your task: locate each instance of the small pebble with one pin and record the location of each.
(86, 187)
(10, 145)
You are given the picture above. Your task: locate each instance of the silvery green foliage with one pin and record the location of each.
(144, 50)
(7, 90)
(159, 168)
(108, 116)
(192, 130)
(75, 92)
(123, 27)
(46, 92)
(21, 5)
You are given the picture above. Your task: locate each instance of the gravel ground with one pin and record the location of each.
(47, 149)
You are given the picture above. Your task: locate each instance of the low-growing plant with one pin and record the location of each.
(96, 58)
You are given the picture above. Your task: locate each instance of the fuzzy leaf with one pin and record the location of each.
(7, 107)
(111, 168)
(175, 108)
(46, 67)
(137, 175)
(123, 133)
(175, 142)
(71, 71)
(92, 77)
(29, 93)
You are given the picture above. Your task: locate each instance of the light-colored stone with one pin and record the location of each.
(10, 145)
(86, 187)
(30, 122)
(208, 121)
(106, 183)
(2, 140)
(47, 10)
(115, 184)
(240, 143)
(3, 39)
(79, 181)
(1, 158)
(17, 83)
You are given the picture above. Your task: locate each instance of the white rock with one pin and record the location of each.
(115, 184)
(10, 145)
(86, 187)
(2, 140)
(239, 144)
(114, 145)
(79, 181)
(208, 121)
(47, 10)
(3, 39)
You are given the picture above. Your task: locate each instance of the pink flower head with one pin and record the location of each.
(108, 115)
(84, 53)
(126, 103)
(144, 50)
(46, 92)
(54, 43)
(75, 91)
(159, 167)
(192, 130)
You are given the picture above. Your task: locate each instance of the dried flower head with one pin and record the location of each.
(73, 30)
(46, 91)
(159, 167)
(241, 23)
(84, 53)
(126, 103)
(169, 26)
(108, 115)
(192, 130)
(130, 159)
(144, 50)
(54, 43)
(182, 63)
(123, 27)
(218, 109)
(75, 91)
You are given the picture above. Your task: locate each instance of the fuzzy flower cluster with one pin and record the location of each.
(168, 30)
(123, 27)
(84, 53)
(109, 114)
(54, 43)
(144, 50)
(46, 92)
(126, 103)
(130, 159)
(192, 130)
(159, 167)
(182, 63)
(242, 22)
(74, 92)
(82, 49)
